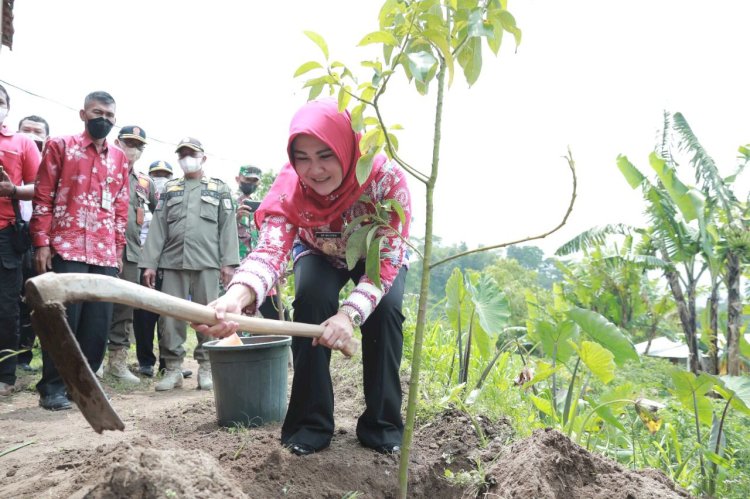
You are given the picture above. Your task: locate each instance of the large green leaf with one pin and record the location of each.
(738, 389)
(615, 401)
(379, 37)
(597, 358)
(605, 333)
(491, 313)
(356, 246)
(470, 59)
(689, 201)
(634, 177)
(542, 405)
(691, 391)
(554, 338)
(458, 305)
(308, 66)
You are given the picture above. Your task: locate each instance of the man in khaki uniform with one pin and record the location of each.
(193, 238)
(132, 140)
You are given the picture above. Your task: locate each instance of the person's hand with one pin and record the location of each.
(119, 266)
(232, 302)
(337, 333)
(244, 210)
(43, 259)
(227, 272)
(149, 278)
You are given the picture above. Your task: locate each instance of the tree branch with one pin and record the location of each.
(572, 166)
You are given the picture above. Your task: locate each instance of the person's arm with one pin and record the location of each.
(365, 296)
(154, 244)
(262, 268)
(47, 177)
(228, 241)
(152, 197)
(121, 206)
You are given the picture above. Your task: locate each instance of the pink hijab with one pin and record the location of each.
(292, 199)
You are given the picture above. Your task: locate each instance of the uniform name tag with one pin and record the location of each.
(328, 235)
(106, 200)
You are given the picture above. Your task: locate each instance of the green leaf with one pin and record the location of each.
(542, 405)
(356, 222)
(738, 389)
(442, 43)
(357, 120)
(477, 26)
(421, 65)
(634, 177)
(364, 167)
(492, 308)
(509, 24)
(394, 205)
(470, 59)
(543, 371)
(344, 97)
(319, 41)
(606, 412)
(308, 66)
(315, 91)
(598, 359)
(605, 333)
(689, 201)
(691, 392)
(554, 338)
(379, 37)
(356, 247)
(372, 265)
(457, 306)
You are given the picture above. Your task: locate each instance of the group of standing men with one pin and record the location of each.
(93, 213)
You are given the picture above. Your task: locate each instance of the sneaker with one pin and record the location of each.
(118, 366)
(172, 379)
(5, 389)
(147, 371)
(205, 379)
(55, 402)
(100, 372)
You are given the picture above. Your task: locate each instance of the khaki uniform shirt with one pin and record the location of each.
(194, 227)
(142, 196)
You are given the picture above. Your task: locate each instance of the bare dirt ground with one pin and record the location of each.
(172, 447)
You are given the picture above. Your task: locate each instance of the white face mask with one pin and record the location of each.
(190, 164)
(160, 182)
(132, 153)
(3, 113)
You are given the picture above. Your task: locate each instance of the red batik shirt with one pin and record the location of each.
(69, 214)
(19, 158)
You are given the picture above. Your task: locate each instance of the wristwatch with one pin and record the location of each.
(354, 316)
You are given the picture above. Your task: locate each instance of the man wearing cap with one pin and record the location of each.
(193, 239)
(78, 225)
(248, 181)
(132, 140)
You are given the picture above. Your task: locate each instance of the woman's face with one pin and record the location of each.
(316, 164)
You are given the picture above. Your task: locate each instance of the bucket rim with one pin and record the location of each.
(256, 342)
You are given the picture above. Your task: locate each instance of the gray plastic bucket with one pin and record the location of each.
(250, 381)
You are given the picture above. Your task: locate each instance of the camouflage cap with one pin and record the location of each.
(250, 171)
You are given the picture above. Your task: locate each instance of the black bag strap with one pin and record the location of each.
(17, 210)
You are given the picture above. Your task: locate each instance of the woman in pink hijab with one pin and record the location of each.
(306, 212)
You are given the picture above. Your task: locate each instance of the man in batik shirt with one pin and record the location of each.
(78, 225)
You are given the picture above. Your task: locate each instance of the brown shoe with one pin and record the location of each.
(5, 389)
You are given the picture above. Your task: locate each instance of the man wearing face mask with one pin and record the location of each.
(80, 215)
(193, 240)
(37, 129)
(19, 160)
(132, 140)
(248, 181)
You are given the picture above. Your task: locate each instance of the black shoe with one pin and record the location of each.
(55, 402)
(27, 368)
(147, 371)
(186, 373)
(300, 449)
(388, 449)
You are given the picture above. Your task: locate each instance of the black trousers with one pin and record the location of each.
(89, 322)
(10, 288)
(309, 418)
(27, 335)
(144, 323)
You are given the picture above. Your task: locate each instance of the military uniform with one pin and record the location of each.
(193, 234)
(247, 232)
(142, 197)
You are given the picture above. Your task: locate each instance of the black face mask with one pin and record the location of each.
(248, 188)
(99, 127)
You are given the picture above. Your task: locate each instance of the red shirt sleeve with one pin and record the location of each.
(47, 178)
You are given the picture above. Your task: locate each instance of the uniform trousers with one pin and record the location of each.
(201, 286)
(10, 288)
(89, 322)
(122, 315)
(28, 336)
(144, 323)
(309, 418)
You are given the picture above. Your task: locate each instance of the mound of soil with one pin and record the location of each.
(172, 446)
(549, 464)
